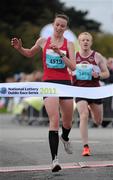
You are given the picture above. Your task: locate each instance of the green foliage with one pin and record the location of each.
(104, 44)
(11, 61)
(3, 110)
(41, 12)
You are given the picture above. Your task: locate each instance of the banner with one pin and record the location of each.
(41, 89)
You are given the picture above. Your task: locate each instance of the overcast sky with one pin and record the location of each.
(99, 10)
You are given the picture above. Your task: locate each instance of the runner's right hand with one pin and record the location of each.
(16, 43)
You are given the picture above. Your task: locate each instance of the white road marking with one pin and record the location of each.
(72, 165)
(41, 141)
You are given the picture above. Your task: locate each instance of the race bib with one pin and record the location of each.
(53, 60)
(84, 71)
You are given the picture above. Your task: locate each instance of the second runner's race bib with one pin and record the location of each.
(84, 71)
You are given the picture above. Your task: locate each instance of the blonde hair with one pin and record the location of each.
(85, 33)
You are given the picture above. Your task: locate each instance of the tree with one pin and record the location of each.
(40, 12)
(104, 44)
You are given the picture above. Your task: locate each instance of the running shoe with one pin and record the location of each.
(67, 146)
(86, 151)
(56, 166)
